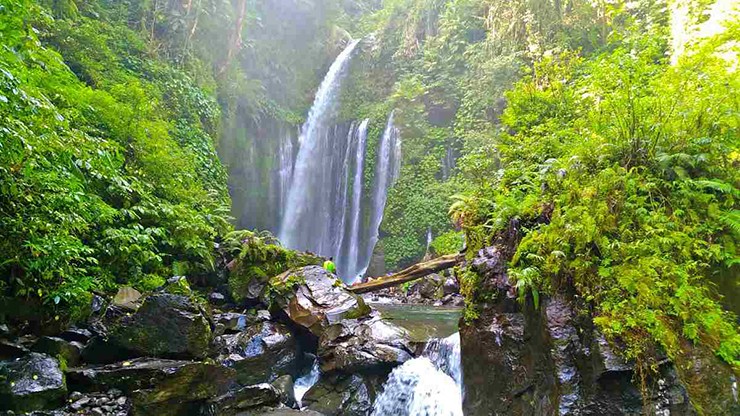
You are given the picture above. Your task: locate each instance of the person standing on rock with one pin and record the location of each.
(330, 266)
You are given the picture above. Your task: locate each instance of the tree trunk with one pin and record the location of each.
(414, 272)
(236, 36)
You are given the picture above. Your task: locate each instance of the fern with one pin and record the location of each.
(731, 220)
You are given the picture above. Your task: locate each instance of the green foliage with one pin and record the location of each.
(622, 172)
(260, 258)
(450, 242)
(108, 173)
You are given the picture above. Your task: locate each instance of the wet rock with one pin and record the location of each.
(522, 360)
(80, 335)
(237, 322)
(282, 412)
(217, 299)
(244, 398)
(319, 301)
(286, 390)
(429, 287)
(57, 347)
(32, 382)
(155, 386)
(364, 345)
(165, 325)
(451, 286)
(342, 395)
(259, 354)
(127, 297)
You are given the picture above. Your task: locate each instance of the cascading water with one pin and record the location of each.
(310, 219)
(353, 249)
(429, 385)
(305, 382)
(387, 170)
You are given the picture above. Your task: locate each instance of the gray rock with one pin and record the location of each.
(260, 354)
(364, 345)
(320, 301)
(217, 299)
(80, 335)
(451, 286)
(32, 382)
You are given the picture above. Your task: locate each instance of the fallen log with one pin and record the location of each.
(408, 274)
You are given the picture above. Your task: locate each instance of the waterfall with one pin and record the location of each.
(310, 219)
(387, 170)
(429, 385)
(353, 250)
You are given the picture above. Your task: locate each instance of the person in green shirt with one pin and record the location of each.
(330, 266)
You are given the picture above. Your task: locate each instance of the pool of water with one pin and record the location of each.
(422, 321)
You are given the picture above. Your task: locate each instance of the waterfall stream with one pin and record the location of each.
(322, 192)
(429, 385)
(386, 172)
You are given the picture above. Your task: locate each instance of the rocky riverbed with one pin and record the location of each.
(170, 353)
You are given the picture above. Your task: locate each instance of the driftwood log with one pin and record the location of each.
(408, 274)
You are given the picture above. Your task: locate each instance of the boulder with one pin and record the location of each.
(315, 299)
(340, 394)
(451, 286)
(244, 398)
(70, 351)
(32, 382)
(127, 297)
(282, 412)
(236, 322)
(217, 299)
(166, 325)
(259, 354)
(286, 390)
(429, 287)
(522, 360)
(157, 386)
(80, 335)
(364, 345)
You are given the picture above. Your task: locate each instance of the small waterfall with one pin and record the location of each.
(429, 385)
(305, 382)
(387, 170)
(353, 249)
(310, 216)
(429, 238)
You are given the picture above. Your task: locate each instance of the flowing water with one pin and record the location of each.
(323, 208)
(386, 172)
(429, 385)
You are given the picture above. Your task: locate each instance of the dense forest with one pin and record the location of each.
(139, 139)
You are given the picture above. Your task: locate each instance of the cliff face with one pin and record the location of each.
(522, 360)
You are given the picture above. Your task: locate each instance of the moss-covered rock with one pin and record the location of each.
(166, 325)
(156, 386)
(258, 260)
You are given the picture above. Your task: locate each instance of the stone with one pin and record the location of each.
(157, 386)
(216, 299)
(259, 354)
(451, 286)
(12, 349)
(127, 297)
(364, 345)
(286, 390)
(237, 322)
(244, 398)
(166, 325)
(80, 335)
(58, 347)
(319, 301)
(32, 382)
(340, 394)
